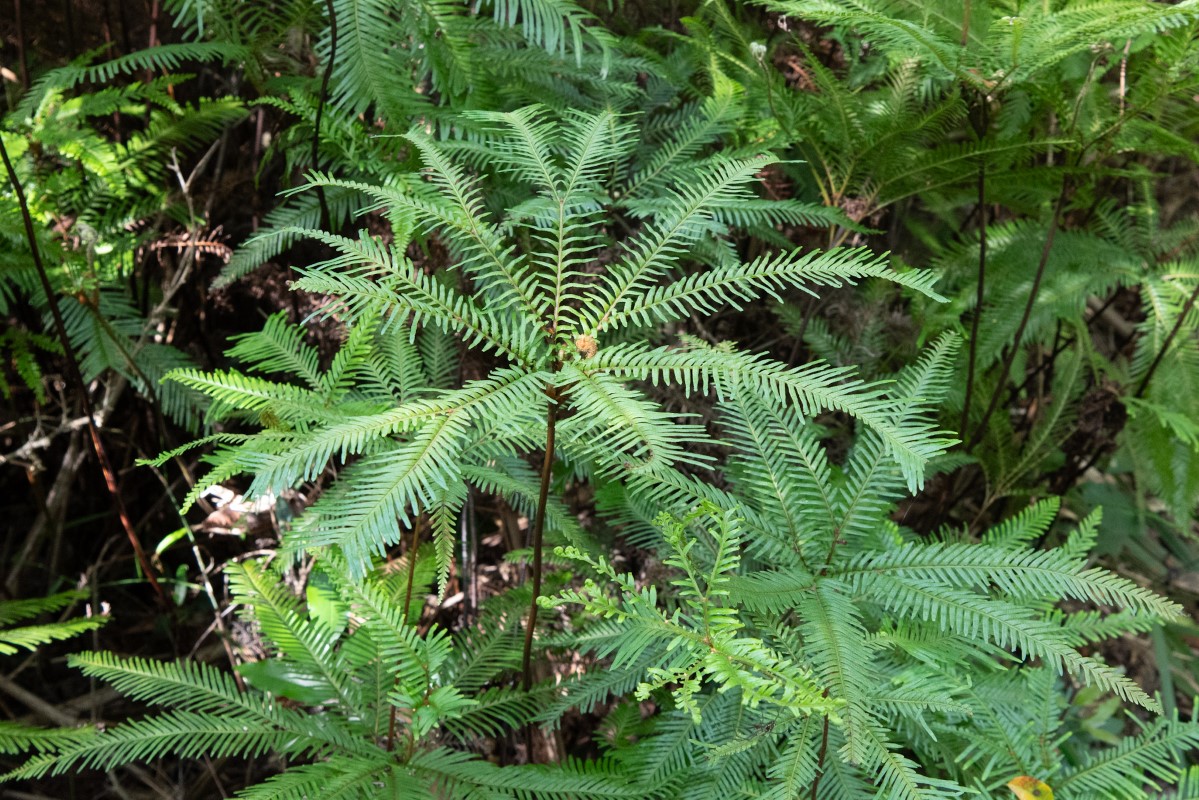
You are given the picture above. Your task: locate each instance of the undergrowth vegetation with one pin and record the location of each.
(764, 399)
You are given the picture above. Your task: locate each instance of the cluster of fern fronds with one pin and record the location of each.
(565, 215)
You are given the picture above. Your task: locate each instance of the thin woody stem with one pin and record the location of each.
(1006, 367)
(412, 548)
(320, 111)
(1182, 315)
(547, 466)
(76, 377)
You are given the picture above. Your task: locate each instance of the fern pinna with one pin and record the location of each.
(807, 645)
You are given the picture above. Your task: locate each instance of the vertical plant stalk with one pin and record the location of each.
(22, 58)
(547, 466)
(76, 376)
(152, 42)
(468, 579)
(1006, 367)
(69, 13)
(1157, 360)
(123, 18)
(412, 548)
(320, 111)
(980, 294)
(820, 757)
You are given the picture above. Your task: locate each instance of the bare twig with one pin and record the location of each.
(44, 709)
(52, 517)
(820, 758)
(1124, 74)
(468, 578)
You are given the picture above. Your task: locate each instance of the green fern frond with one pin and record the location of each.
(704, 292)
(1032, 573)
(970, 615)
(811, 388)
(16, 738)
(163, 58)
(310, 647)
(836, 643)
(188, 686)
(26, 608)
(183, 733)
(278, 347)
(1152, 757)
(338, 778)
(30, 637)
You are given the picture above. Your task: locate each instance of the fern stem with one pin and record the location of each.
(320, 111)
(76, 377)
(1006, 367)
(412, 549)
(22, 57)
(547, 466)
(820, 757)
(1182, 315)
(980, 291)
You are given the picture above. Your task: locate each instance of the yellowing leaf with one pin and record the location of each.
(1027, 787)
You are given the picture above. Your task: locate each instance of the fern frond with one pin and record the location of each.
(16, 738)
(371, 67)
(811, 388)
(504, 393)
(188, 686)
(26, 608)
(163, 58)
(369, 274)
(1007, 625)
(835, 640)
(649, 255)
(619, 427)
(279, 347)
(1048, 574)
(704, 292)
(282, 228)
(310, 647)
(338, 778)
(1153, 757)
(568, 780)
(781, 465)
(31, 637)
(1021, 530)
(551, 24)
(871, 484)
(181, 733)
